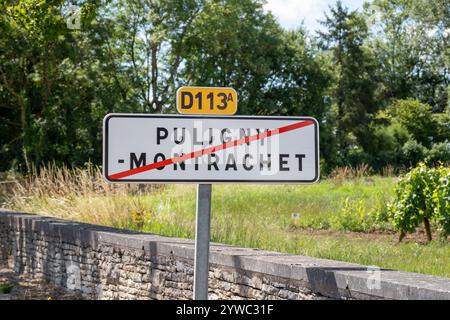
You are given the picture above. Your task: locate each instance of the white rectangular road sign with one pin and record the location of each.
(207, 149)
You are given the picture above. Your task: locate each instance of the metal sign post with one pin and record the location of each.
(202, 234)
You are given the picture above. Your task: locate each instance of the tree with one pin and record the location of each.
(56, 84)
(299, 81)
(54, 89)
(299, 85)
(234, 43)
(416, 117)
(28, 31)
(148, 39)
(411, 44)
(353, 92)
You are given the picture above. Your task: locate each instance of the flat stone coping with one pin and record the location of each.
(330, 278)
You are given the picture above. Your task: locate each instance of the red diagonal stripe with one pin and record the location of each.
(209, 150)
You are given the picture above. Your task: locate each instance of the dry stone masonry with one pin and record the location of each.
(105, 263)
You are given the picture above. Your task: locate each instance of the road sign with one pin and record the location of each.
(209, 149)
(206, 100)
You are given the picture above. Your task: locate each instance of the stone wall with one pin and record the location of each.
(105, 263)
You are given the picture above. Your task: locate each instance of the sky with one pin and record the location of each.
(290, 13)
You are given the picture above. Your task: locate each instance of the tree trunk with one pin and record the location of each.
(426, 222)
(23, 123)
(402, 235)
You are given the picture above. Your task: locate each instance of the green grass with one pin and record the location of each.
(238, 209)
(260, 216)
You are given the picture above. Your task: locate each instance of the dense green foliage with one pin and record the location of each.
(354, 88)
(422, 196)
(376, 80)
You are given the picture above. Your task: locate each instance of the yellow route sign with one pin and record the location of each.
(206, 100)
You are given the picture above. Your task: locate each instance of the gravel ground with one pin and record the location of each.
(26, 288)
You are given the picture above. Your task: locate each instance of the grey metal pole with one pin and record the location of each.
(202, 234)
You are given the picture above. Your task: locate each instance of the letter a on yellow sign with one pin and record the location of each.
(206, 100)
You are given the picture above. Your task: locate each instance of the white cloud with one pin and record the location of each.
(291, 13)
